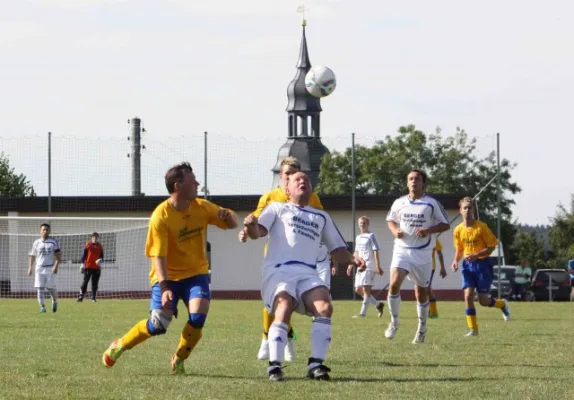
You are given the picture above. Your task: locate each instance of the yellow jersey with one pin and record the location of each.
(180, 237)
(436, 249)
(279, 195)
(474, 238)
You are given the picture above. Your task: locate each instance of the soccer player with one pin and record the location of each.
(474, 241)
(179, 271)
(367, 248)
(290, 281)
(45, 255)
(325, 267)
(92, 257)
(413, 220)
(436, 252)
(288, 166)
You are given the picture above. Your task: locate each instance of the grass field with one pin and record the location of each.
(58, 356)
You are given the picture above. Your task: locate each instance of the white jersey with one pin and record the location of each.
(45, 252)
(295, 235)
(365, 246)
(413, 214)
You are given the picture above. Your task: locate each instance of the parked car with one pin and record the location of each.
(506, 281)
(548, 284)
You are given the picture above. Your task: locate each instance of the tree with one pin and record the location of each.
(12, 184)
(528, 246)
(452, 163)
(561, 235)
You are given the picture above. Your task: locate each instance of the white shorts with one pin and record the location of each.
(45, 280)
(293, 284)
(364, 278)
(324, 272)
(419, 273)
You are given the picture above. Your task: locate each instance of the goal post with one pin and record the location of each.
(125, 267)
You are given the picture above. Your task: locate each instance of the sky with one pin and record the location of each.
(82, 68)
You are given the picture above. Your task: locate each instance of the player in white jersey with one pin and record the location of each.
(290, 281)
(324, 266)
(367, 248)
(45, 256)
(413, 221)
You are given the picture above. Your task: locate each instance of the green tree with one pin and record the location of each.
(452, 162)
(561, 235)
(528, 246)
(11, 183)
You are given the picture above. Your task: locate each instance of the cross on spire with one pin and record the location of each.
(303, 10)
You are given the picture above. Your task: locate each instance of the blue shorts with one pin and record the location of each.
(477, 274)
(190, 288)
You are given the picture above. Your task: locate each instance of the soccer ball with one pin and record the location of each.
(320, 81)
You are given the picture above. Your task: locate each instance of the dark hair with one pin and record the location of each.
(95, 234)
(175, 175)
(46, 225)
(421, 173)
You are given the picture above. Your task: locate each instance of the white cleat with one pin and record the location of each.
(506, 310)
(290, 350)
(391, 330)
(420, 337)
(471, 333)
(359, 316)
(263, 353)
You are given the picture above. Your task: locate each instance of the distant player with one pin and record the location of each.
(367, 248)
(413, 220)
(92, 257)
(45, 256)
(290, 282)
(288, 166)
(176, 245)
(474, 241)
(436, 253)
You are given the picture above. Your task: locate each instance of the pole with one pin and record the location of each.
(353, 183)
(206, 191)
(49, 173)
(498, 217)
(136, 156)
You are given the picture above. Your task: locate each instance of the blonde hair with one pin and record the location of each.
(290, 161)
(465, 200)
(364, 218)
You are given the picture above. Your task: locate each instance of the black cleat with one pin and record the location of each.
(80, 299)
(275, 374)
(320, 373)
(380, 308)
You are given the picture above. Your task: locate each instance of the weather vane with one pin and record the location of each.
(302, 10)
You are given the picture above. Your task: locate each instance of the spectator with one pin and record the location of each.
(571, 272)
(522, 277)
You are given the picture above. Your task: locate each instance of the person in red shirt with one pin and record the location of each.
(92, 257)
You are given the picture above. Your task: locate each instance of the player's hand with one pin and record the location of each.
(349, 269)
(443, 272)
(82, 269)
(380, 271)
(421, 232)
(242, 236)
(399, 233)
(250, 220)
(54, 270)
(223, 213)
(167, 299)
(454, 266)
(333, 271)
(360, 263)
(471, 257)
(29, 272)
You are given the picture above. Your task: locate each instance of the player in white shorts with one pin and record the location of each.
(290, 281)
(413, 220)
(367, 248)
(45, 256)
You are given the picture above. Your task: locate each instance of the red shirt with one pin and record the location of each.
(92, 253)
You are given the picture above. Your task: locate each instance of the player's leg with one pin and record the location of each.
(368, 292)
(263, 353)
(52, 291)
(317, 302)
(84, 287)
(159, 320)
(484, 277)
(39, 284)
(359, 283)
(469, 283)
(433, 311)
(197, 295)
(420, 276)
(95, 283)
(399, 271)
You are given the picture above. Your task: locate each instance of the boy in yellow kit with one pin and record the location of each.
(475, 241)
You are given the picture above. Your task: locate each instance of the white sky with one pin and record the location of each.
(82, 68)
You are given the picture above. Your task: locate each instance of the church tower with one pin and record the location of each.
(303, 122)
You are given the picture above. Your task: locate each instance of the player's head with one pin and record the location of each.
(363, 223)
(45, 230)
(180, 180)
(288, 167)
(524, 263)
(95, 237)
(416, 181)
(466, 205)
(299, 188)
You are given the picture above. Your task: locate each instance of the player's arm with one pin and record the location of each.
(395, 230)
(340, 253)
(261, 204)
(376, 247)
(441, 261)
(229, 217)
(343, 256)
(440, 218)
(459, 249)
(259, 227)
(490, 242)
(31, 262)
(57, 262)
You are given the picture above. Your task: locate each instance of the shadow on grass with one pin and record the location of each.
(436, 365)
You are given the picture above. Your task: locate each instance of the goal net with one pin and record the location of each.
(124, 270)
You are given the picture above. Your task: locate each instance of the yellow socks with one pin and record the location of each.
(498, 303)
(136, 335)
(268, 320)
(432, 307)
(189, 338)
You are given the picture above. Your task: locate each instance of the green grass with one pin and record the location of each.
(58, 356)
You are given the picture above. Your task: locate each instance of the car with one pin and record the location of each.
(506, 281)
(549, 284)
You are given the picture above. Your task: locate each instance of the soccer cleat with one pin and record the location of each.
(263, 353)
(420, 337)
(433, 315)
(471, 333)
(275, 373)
(290, 350)
(54, 306)
(112, 354)
(505, 310)
(380, 307)
(177, 366)
(319, 373)
(94, 301)
(80, 299)
(359, 316)
(42, 309)
(391, 331)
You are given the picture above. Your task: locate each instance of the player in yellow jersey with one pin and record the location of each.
(436, 252)
(179, 267)
(474, 241)
(288, 167)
